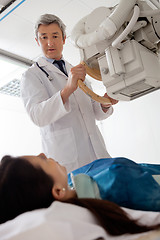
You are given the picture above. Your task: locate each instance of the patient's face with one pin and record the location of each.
(51, 167)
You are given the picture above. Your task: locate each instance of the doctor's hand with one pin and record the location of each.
(76, 73)
(105, 107)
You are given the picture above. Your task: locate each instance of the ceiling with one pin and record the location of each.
(18, 19)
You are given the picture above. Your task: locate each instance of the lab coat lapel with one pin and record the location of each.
(68, 66)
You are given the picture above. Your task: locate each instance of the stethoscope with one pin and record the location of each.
(47, 75)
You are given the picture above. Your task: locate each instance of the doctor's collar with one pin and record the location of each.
(51, 60)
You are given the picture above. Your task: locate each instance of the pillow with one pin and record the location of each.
(63, 221)
(59, 221)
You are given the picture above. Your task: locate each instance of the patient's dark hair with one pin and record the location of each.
(24, 187)
(112, 217)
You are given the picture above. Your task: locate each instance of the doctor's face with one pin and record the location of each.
(50, 40)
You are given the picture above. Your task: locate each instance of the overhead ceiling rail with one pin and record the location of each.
(4, 7)
(15, 58)
(12, 9)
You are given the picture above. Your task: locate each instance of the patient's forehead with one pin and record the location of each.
(31, 158)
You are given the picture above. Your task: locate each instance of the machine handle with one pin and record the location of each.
(95, 73)
(93, 95)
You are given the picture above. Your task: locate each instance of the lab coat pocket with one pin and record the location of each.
(62, 146)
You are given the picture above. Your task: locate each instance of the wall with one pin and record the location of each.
(18, 135)
(133, 130)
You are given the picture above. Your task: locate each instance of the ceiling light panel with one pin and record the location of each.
(12, 88)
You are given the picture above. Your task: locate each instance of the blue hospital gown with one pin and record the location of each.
(125, 182)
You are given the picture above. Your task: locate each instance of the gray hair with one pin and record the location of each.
(47, 19)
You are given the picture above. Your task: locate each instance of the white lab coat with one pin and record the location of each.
(69, 133)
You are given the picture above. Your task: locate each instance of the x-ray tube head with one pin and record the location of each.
(131, 68)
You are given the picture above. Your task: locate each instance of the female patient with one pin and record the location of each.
(34, 182)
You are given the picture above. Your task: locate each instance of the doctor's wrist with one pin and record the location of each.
(65, 93)
(105, 108)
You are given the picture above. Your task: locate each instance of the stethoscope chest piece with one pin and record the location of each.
(50, 78)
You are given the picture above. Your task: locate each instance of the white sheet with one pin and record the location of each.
(62, 221)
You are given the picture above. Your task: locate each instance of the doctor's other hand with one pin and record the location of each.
(76, 73)
(105, 107)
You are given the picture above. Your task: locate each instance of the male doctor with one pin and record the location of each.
(65, 114)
